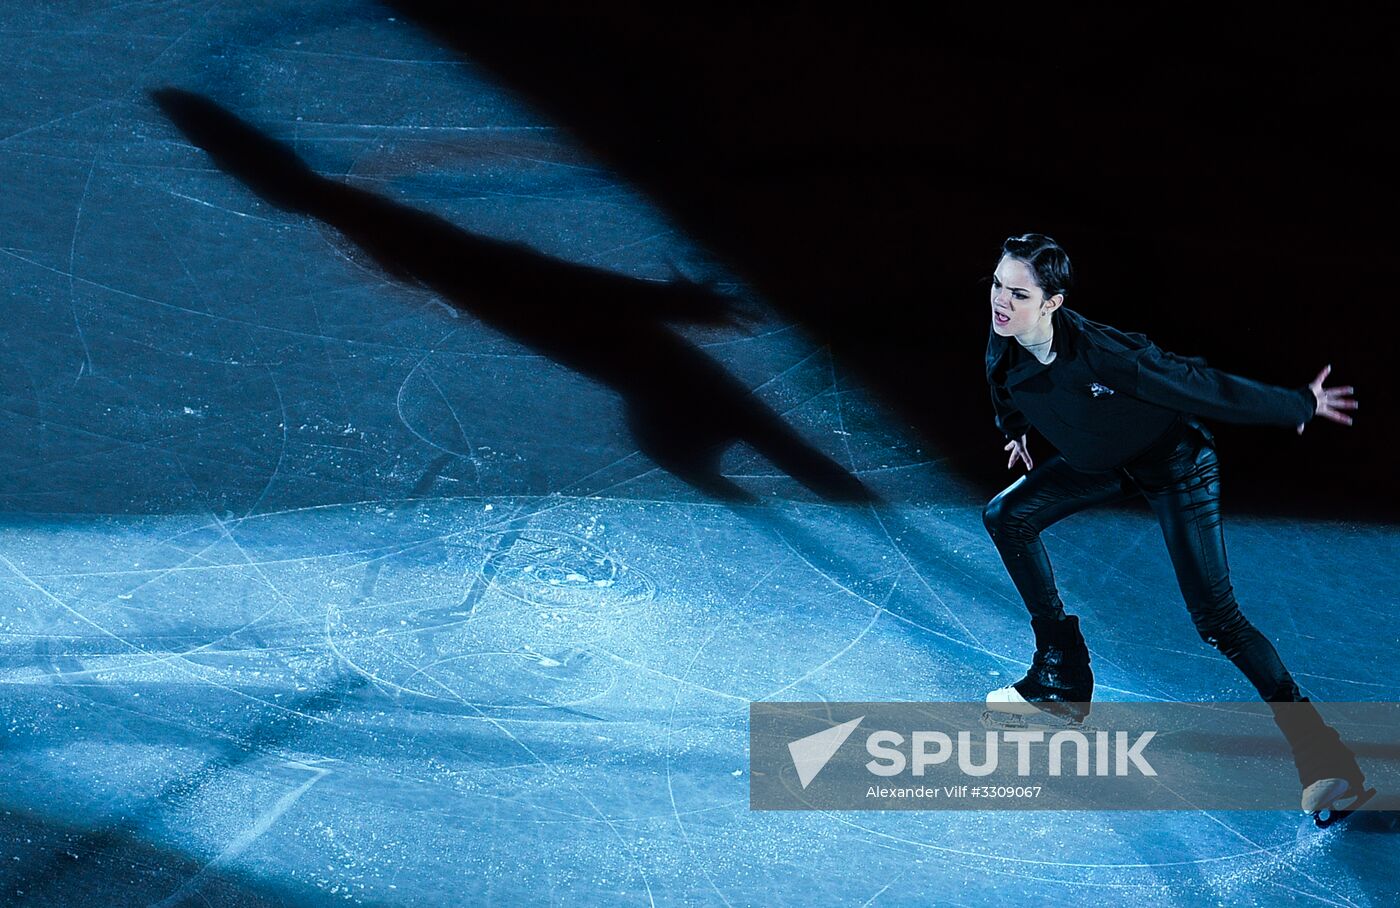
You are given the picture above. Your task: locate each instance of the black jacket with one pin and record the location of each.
(1108, 394)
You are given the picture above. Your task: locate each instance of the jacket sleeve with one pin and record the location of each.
(1188, 385)
(1009, 419)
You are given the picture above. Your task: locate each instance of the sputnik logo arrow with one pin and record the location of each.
(811, 753)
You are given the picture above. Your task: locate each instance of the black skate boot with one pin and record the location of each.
(1333, 783)
(1059, 685)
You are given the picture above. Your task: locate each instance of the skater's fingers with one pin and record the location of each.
(1334, 415)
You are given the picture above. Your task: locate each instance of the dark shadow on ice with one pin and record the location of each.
(125, 868)
(84, 856)
(683, 409)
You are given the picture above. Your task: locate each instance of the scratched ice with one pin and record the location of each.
(322, 588)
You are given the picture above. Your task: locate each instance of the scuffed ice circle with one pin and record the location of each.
(514, 630)
(563, 571)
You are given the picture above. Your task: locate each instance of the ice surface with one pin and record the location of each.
(323, 588)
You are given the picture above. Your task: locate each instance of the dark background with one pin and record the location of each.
(1222, 183)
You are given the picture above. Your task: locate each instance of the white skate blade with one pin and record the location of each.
(1000, 721)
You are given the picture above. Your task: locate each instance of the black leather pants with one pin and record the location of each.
(1180, 477)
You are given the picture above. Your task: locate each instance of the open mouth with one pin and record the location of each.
(1000, 318)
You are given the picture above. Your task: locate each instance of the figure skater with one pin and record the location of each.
(1123, 414)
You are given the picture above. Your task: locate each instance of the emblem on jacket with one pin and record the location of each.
(1099, 390)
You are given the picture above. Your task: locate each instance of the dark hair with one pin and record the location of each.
(1047, 261)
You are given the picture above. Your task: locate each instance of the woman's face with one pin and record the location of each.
(1018, 304)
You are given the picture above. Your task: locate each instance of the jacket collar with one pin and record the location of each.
(1004, 353)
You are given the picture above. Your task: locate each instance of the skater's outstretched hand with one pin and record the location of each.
(1331, 402)
(1019, 450)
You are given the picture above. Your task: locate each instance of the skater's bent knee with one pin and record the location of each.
(991, 515)
(1002, 518)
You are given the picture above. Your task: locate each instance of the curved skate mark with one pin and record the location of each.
(384, 684)
(408, 424)
(457, 420)
(403, 387)
(874, 616)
